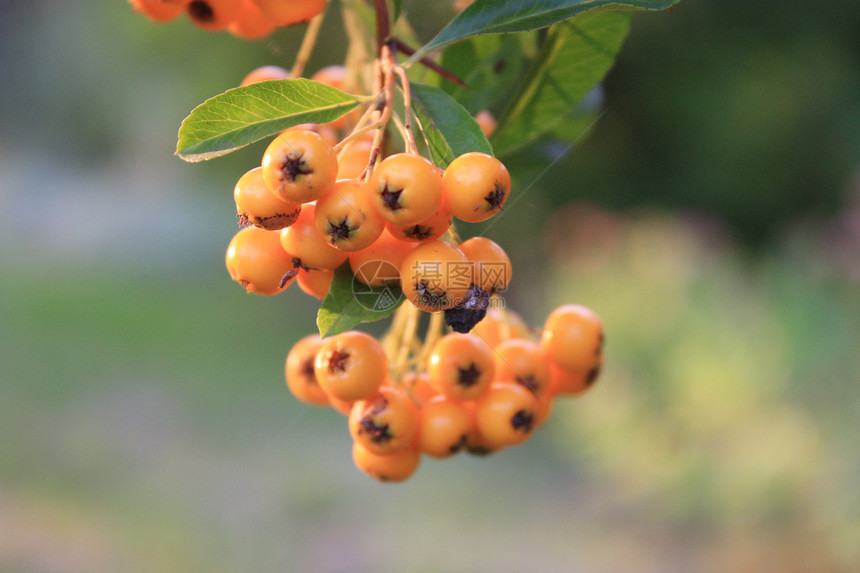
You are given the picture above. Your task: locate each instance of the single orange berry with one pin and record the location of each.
(407, 189)
(492, 267)
(566, 383)
(310, 249)
(286, 13)
(315, 282)
(159, 10)
(572, 338)
(476, 186)
(299, 371)
(446, 426)
(257, 261)
(461, 366)
(299, 165)
(384, 423)
(257, 206)
(212, 15)
(351, 366)
(506, 415)
(435, 276)
(391, 468)
(250, 23)
(521, 361)
(346, 217)
(431, 228)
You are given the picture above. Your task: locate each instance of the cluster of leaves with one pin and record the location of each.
(554, 53)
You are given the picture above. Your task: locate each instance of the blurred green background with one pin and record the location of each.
(712, 218)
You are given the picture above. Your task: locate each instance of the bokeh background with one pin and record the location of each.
(712, 218)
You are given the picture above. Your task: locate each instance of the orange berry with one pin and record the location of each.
(265, 73)
(431, 228)
(354, 160)
(159, 10)
(572, 338)
(446, 426)
(346, 217)
(257, 206)
(407, 189)
(435, 276)
(521, 361)
(286, 13)
(250, 23)
(310, 249)
(299, 165)
(492, 268)
(299, 371)
(476, 186)
(486, 121)
(315, 282)
(419, 387)
(380, 262)
(257, 261)
(384, 423)
(461, 366)
(506, 414)
(566, 383)
(391, 468)
(212, 15)
(351, 366)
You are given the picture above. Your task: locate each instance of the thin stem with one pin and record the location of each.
(404, 48)
(407, 105)
(434, 332)
(406, 341)
(307, 47)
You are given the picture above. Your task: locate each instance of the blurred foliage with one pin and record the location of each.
(145, 425)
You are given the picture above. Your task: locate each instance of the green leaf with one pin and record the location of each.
(573, 59)
(498, 16)
(396, 9)
(350, 303)
(448, 128)
(243, 115)
(489, 65)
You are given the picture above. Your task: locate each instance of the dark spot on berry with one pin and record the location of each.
(298, 264)
(201, 11)
(391, 199)
(467, 377)
(464, 316)
(337, 361)
(523, 420)
(294, 166)
(500, 65)
(479, 450)
(428, 297)
(495, 198)
(459, 444)
(377, 434)
(287, 276)
(528, 381)
(417, 232)
(339, 231)
(307, 370)
(592, 375)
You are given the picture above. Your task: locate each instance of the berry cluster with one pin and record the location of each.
(249, 19)
(479, 392)
(325, 196)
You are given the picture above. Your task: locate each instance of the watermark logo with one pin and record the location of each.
(383, 297)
